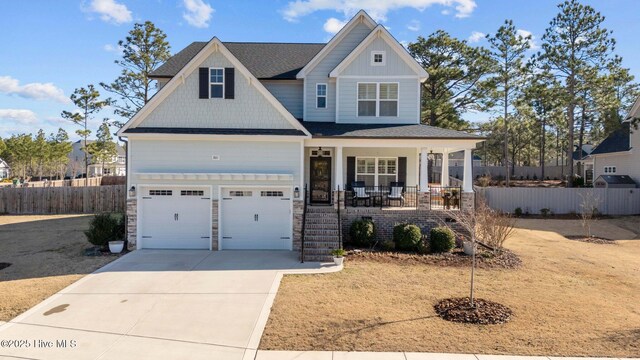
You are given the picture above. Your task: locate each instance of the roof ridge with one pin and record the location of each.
(274, 42)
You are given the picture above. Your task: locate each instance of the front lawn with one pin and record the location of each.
(568, 298)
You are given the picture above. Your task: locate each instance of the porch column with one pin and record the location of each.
(424, 171)
(339, 169)
(467, 181)
(445, 169)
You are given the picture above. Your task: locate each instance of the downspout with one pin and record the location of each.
(126, 190)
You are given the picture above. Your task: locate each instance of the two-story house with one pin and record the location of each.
(223, 155)
(115, 167)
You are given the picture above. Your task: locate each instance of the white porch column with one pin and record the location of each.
(467, 181)
(445, 169)
(339, 169)
(424, 171)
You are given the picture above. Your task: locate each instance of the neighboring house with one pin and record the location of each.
(221, 156)
(115, 167)
(619, 153)
(583, 163)
(4, 170)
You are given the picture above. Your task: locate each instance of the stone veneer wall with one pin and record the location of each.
(214, 225)
(132, 223)
(468, 201)
(298, 209)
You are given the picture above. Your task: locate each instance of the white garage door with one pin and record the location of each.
(256, 218)
(175, 218)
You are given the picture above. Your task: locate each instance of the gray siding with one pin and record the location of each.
(394, 66)
(408, 101)
(289, 93)
(249, 109)
(320, 74)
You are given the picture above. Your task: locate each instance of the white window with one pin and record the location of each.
(609, 169)
(378, 58)
(321, 96)
(378, 99)
(216, 83)
(376, 171)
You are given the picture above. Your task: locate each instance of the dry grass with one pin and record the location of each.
(569, 299)
(46, 253)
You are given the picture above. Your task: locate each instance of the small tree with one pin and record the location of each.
(492, 228)
(466, 228)
(588, 210)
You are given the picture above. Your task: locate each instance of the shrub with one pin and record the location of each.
(518, 212)
(578, 182)
(362, 232)
(441, 240)
(545, 212)
(388, 246)
(535, 177)
(338, 253)
(407, 237)
(484, 181)
(104, 228)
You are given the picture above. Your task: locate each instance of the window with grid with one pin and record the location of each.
(321, 96)
(378, 99)
(388, 99)
(160, 192)
(367, 97)
(270, 193)
(191, 192)
(216, 82)
(240, 193)
(376, 171)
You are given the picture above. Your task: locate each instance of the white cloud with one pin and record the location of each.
(445, 12)
(414, 25)
(476, 36)
(20, 116)
(533, 45)
(113, 48)
(38, 91)
(333, 25)
(111, 11)
(198, 13)
(375, 8)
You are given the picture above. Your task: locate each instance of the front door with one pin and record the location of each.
(320, 180)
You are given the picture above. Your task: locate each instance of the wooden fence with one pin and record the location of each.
(63, 200)
(561, 200)
(92, 181)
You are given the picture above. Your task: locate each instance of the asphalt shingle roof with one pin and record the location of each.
(391, 131)
(617, 179)
(617, 141)
(279, 61)
(213, 131)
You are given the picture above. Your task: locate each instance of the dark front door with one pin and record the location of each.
(320, 180)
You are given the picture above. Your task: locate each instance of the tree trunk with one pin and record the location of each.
(542, 149)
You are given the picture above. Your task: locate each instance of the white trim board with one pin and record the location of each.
(178, 80)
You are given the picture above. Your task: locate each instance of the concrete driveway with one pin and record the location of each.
(159, 304)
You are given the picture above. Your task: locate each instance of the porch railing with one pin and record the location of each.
(445, 197)
(382, 197)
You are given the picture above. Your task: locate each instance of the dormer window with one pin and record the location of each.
(216, 83)
(378, 58)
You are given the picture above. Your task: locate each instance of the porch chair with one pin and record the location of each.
(396, 191)
(359, 194)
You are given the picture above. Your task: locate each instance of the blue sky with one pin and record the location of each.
(51, 47)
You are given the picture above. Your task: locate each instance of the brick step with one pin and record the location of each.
(308, 237)
(321, 245)
(327, 231)
(318, 258)
(316, 251)
(322, 215)
(321, 210)
(321, 226)
(326, 222)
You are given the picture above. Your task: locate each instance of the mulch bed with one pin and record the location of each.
(484, 312)
(593, 239)
(504, 259)
(4, 265)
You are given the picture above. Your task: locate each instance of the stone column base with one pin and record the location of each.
(424, 200)
(132, 223)
(468, 201)
(298, 209)
(214, 225)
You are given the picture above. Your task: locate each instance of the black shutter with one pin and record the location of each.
(229, 83)
(204, 83)
(402, 170)
(351, 171)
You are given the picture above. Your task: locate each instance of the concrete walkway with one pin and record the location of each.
(343, 355)
(154, 304)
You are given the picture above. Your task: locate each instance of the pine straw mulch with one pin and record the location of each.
(592, 239)
(484, 312)
(504, 259)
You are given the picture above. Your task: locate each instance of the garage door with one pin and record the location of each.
(175, 218)
(256, 218)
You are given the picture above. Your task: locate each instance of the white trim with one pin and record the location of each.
(634, 110)
(214, 45)
(215, 136)
(337, 100)
(214, 176)
(378, 77)
(381, 32)
(377, 99)
(375, 174)
(220, 224)
(325, 96)
(384, 58)
(360, 17)
(213, 83)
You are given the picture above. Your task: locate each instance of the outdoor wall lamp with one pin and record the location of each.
(296, 192)
(132, 192)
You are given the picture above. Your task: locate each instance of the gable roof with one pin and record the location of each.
(213, 45)
(617, 179)
(617, 141)
(275, 61)
(381, 131)
(381, 32)
(360, 17)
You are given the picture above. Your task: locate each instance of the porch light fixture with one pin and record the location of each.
(296, 192)
(320, 151)
(132, 192)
